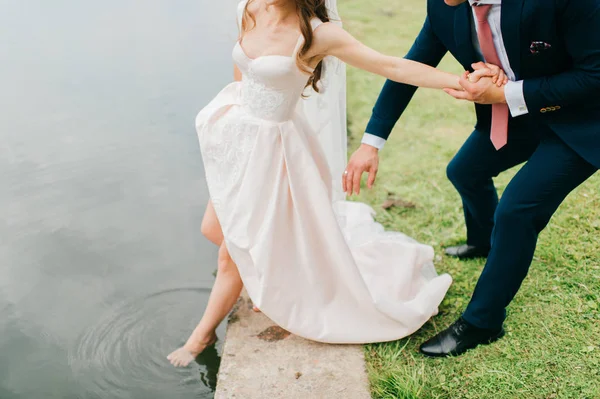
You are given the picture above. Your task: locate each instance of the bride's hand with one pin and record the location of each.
(483, 70)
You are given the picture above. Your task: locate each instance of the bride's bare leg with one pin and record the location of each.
(211, 228)
(225, 292)
(227, 289)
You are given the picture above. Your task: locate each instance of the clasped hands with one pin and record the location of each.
(484, 86)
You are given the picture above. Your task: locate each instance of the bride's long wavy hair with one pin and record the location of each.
(307, 10)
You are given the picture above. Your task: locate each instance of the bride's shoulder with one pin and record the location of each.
(253, 6)
(326, 33)
(253, 9)
(325, 30)
(325, 36)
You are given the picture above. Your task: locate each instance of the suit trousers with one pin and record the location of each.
(512, 224)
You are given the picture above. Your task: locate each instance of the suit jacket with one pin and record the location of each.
(552, 45)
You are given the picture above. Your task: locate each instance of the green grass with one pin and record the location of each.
(552, 349)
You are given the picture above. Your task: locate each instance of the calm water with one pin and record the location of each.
(103, 270)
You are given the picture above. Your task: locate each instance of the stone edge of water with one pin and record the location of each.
(261, 360)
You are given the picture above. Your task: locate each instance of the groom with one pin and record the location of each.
(549, 116)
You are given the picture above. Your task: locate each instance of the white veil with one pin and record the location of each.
(326, 112)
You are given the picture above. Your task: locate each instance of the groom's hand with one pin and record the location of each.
(482, 70)
(482, 91)
(365, 159)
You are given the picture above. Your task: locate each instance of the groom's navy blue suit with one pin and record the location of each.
(554, 47)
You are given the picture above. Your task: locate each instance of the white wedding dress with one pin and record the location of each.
(319, 268)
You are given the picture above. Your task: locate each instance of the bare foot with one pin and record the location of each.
(257, 310)
(183, 356)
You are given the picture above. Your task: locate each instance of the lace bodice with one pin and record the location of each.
(271, 85)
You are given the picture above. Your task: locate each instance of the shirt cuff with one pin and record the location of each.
(513, 91)
(373, 141)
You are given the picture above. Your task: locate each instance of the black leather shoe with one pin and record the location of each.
(459, 338)
(468, 252)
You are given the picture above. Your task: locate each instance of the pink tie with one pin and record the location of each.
(499, 133)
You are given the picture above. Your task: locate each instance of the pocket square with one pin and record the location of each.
(538, 47)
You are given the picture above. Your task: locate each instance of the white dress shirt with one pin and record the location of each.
(513, 91)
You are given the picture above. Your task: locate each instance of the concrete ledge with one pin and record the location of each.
(261, 360)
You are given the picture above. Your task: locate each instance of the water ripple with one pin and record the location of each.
(124, 354)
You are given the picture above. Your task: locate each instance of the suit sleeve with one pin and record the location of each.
(580, 22)
(395, 97)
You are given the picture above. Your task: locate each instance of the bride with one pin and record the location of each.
(316, 265)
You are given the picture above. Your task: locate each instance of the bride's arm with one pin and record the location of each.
(330, 39)
(237, 75)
